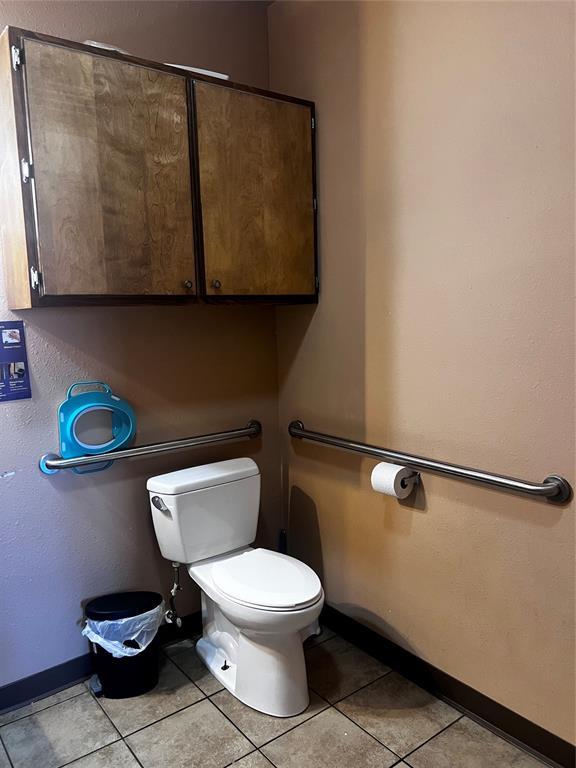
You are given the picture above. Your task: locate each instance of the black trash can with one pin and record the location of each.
(129, 675)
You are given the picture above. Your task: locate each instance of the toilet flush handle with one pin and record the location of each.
(159, 504)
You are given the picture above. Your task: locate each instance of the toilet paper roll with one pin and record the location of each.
(393, 480)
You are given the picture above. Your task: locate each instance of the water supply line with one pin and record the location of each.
(171, 614)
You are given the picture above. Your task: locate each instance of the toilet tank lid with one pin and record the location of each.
(204, 476)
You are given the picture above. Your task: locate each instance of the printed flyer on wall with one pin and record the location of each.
(14, 373)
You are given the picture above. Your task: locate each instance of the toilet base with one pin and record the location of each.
(217, 663)
(265, 671)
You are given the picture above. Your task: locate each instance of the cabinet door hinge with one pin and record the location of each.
(317, 282)
(315, 204)
(16, 58)
(35, 278)
(26, 170)
(313, 123)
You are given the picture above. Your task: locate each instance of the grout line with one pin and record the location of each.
(319, 642)
(122, 739)
(381, 743)
(432, 737)
(187, 676)
(106, 714)
(401, 757)
(266, 758)
(164, 717)
(37, 712)
(116, 729)
(134, 755)
(178, 653)
(3, 746)
(234, 724)
(235, 762)
(487, 726)
(207, 695)
(333, 703)
(293, 727)
(92, 752)
(272, 761)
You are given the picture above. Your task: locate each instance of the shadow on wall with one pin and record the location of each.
(304, 535)
(376, 623)
(304, 541)
(305, 544)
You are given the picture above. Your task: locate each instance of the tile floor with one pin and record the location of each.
(361, 715)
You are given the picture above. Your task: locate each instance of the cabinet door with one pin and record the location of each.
(110, 150)
(256, 186)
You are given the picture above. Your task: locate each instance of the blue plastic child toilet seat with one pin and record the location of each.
(76, 406)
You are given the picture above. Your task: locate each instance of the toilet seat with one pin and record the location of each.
(260, 578)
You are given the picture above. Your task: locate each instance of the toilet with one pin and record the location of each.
(258, 606)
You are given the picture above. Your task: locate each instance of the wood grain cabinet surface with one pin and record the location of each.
(111, 174)
(126, 181)
(257, 195)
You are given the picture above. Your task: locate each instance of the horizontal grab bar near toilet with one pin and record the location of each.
(554, 488)
(50, 462)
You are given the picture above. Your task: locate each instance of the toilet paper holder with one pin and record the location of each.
(413, 479)
(394, 480)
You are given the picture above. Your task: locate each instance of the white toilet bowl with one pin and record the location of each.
(258, 606)
(257, 609)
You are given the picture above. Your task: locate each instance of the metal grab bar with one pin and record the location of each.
(50, 462)
(554, 488)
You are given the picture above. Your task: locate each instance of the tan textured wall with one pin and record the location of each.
(226, 36)
(187, 370)
(445, 328)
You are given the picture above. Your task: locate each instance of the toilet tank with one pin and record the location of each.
(205, 511)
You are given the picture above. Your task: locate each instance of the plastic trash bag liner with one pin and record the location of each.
(137, 631)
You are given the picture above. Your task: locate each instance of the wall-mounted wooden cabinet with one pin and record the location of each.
(129, 181)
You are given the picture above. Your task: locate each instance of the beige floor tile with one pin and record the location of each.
(173, 649)
(254, 760)
(326, 634)
(4, 762)
(328, 740)
(336, 668)
(173, 692)
(59, 734)
(468, 745)
(37, 706)
(114, 756)
(259, 727)
(197, 737)
(398, 713)
(184, 655)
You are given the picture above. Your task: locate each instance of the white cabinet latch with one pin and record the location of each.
(25, 170)
(16, 58)
(34, 278)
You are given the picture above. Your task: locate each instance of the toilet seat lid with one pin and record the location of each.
(267, 579)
